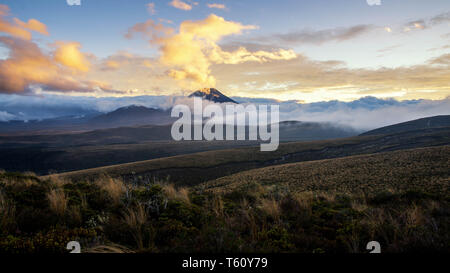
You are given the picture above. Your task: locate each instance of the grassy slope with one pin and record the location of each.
(200, 167)
(423, 123)
(421, 169)
(41, 216)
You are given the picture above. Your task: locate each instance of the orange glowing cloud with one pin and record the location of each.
(68, 54)
(27, 67)
(190, 52)
(34, 25)
(18, 28)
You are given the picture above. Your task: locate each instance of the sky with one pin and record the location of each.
(288, 50)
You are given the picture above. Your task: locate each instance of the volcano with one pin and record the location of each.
(212, 94)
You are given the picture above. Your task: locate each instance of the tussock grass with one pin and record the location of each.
(181, 193)
(57, 201)
(135, 218)
(271, 207)
(108, 248)
(113, 186)
(7, 213)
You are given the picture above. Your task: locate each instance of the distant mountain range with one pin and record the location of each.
(132, 115)
(138, 116)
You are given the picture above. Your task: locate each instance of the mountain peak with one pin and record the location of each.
(211, 94)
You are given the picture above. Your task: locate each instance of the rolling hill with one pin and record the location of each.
(418, 124)
(192, 169)
(420, 169)
(75, 151)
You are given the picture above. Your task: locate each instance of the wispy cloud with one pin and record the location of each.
(18, 28)
(151, 8)
(216, 6)
(320, 36)
(180, 5)
(148, 30)
(324, 80)
(425, 23)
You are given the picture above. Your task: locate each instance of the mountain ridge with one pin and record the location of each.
(411, 125)
(213, 95)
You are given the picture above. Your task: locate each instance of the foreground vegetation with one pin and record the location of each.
(42, 215)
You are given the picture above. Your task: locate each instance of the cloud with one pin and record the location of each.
(28, 67)
(440, 18)
(320, 36)
(151, 8)
(34, 25)
(319, 80)
(69, 55)
(191, 51)
(389, 48)
(111, 65)
(149, 30)
(180, 5)
(18, 28)
(363, 114)
(366, 113)
(122, 59)
(5, 116)
(216, 6)
(421, 24)
(443, 60)
(339, 34)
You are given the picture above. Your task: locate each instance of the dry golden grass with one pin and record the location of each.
(271, 207)
(113, 186)
(75, 214)
(7, 209)
(217, 205)
(108, 248)
(181, 194)
(58, 181)
(57, 201)
(304, 199)
(7, 214)
(22, 182)
(414, 216)
(135, 218)
(423, 169)
(359, 205)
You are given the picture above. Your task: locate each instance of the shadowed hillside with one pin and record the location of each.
(67, 152)
(192, 169)
(418, 124)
